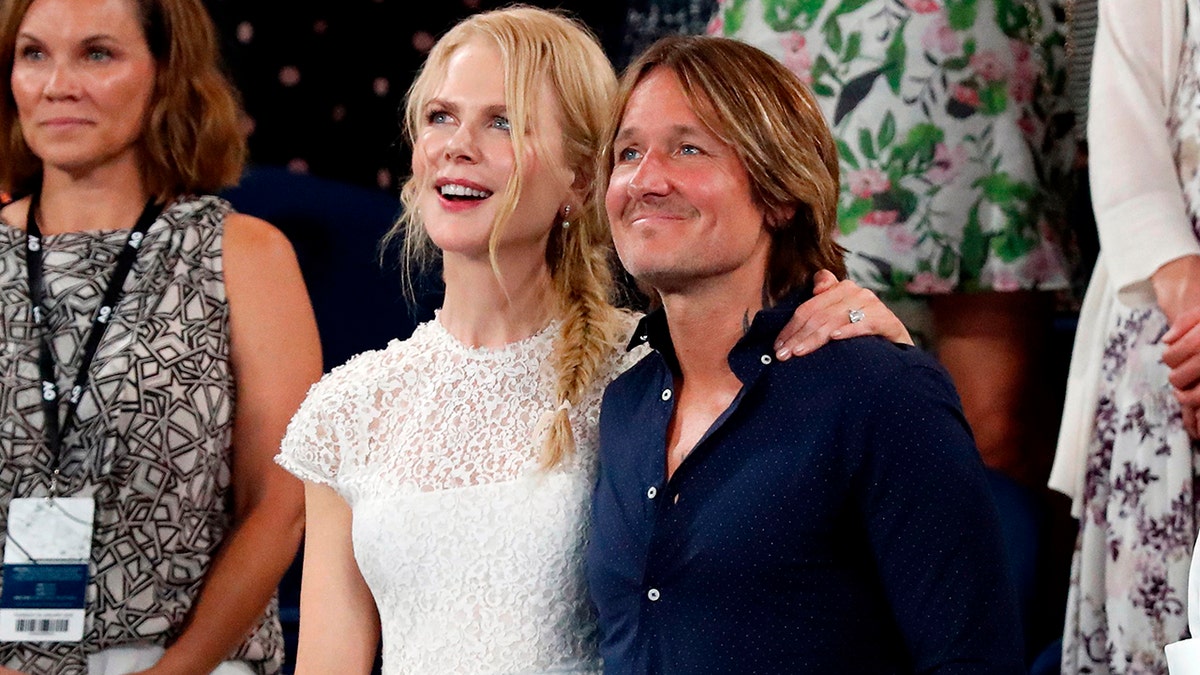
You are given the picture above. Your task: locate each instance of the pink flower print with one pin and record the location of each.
(717, 25)
(928, 283)
(867, 182)
(1021, 89)
(1043, 264)
(923, 6)
(1023, 82)
(1028, 125)
(1005, 281)
(880, 218)
(989, 65)
(966, 95)
(1020, 51)
(902, 239)
(796, 57)
(939, 37)
(947, 163)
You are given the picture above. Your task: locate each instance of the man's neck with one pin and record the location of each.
(704, 328)
(706, 321)
(703, 334)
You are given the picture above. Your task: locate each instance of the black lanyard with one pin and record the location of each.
(54, 430)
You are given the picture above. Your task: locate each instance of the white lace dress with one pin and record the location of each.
(473, 554)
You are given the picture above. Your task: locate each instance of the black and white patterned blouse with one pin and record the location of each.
(151, 441)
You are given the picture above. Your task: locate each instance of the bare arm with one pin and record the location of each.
(276, 356)
(339, 623)
(826, 316)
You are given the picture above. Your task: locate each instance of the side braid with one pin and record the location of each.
(539, 47)
(591, 328)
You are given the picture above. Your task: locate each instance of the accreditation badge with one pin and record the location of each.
(46, 569)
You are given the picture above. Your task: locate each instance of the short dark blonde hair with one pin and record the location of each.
(771, 120)
(192, 142)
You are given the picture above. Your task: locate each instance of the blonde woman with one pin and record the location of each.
(448, 476)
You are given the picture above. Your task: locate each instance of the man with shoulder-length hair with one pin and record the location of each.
(821, 515)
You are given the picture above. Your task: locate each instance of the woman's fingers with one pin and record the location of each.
(837, 310)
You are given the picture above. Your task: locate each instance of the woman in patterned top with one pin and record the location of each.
(111, 108)
(954, 137)
(448, 476)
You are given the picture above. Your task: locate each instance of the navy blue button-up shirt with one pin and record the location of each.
(835, 519)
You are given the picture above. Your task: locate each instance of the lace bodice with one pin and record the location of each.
(473, 554)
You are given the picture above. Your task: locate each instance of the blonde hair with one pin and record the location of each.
(536, 47)
(773, 123)
(192, 141)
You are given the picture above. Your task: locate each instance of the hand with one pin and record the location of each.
(1182, 356)
(9, 671)
(1183, 349)
(826, 316)
(1191, 419)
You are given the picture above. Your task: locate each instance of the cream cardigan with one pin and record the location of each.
(1140, 213)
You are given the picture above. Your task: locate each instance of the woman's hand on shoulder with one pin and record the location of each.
(827, 316)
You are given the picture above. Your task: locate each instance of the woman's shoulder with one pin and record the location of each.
(13, 214)
(334, 416)
(366, 370)
(243, 234)
(238, 233)
(198, 209)
(382, 368)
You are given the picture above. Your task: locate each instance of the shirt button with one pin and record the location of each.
(652, 492)
(666, 395)
(652, 594)
(766, 359)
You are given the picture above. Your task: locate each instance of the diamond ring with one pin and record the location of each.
(857, 315)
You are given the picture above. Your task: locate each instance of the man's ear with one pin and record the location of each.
(780, 217)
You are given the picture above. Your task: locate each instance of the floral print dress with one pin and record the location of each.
(953, 129)
(1129, 576)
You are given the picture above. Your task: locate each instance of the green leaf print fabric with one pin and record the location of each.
(954, 132)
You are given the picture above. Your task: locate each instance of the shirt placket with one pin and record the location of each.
(667, 520)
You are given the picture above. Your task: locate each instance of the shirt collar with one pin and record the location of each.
(767, 323)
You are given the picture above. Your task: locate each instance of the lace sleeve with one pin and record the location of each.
(329, 427)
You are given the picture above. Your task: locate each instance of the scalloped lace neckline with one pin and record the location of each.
(436, 332)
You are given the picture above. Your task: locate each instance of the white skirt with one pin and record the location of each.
(125, 660)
